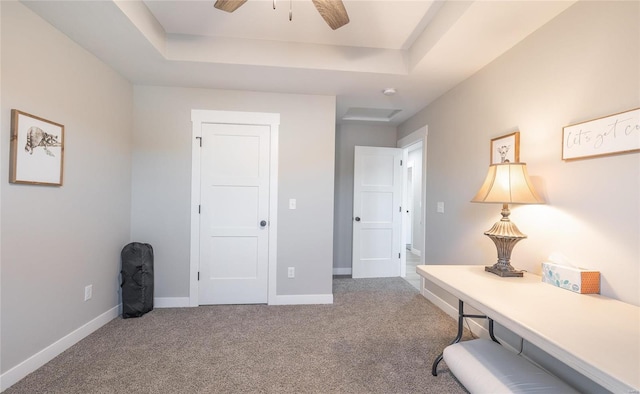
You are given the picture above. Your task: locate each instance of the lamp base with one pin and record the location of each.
(504, 273)
(505, 235)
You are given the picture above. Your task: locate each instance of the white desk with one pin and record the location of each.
(595, 335)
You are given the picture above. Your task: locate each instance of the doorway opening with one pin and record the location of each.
(414, 176)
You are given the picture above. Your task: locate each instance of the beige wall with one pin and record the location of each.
(348, 136)
(57, 240)
(162, 181)
(582, 65)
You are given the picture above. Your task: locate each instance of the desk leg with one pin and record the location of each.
(493, 338)
(461, 316)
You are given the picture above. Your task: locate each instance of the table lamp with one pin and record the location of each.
(506, 183)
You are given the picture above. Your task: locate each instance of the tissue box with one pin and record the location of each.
(577, 280)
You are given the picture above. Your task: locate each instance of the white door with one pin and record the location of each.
(377, 187)
(234, 214)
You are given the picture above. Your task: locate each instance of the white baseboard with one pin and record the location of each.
(476, 328)
(311, 299)
(342, 271)
(47, 354)
(304, 299)
(171, 302)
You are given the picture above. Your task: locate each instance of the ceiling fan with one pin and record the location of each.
(332, 11)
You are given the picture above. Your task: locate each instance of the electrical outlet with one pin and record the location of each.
(88, 292)
(291, 272)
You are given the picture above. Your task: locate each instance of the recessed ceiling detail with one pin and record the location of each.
(371, 114)
(421, 48)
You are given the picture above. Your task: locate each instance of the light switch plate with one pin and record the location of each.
(292, 203)
(440, 207)
(88, 292)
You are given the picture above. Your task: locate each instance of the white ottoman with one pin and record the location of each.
(483, 366)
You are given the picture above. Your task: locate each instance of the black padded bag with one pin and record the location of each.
(137, 279)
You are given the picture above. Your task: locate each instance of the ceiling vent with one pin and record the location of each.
(371, 114)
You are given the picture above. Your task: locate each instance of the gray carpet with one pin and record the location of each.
(379, 336)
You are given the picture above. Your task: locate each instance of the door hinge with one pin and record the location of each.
(400, 162)
(398, 255)
(199, 208)
(400, 209)
(198, 275)
(199, 141)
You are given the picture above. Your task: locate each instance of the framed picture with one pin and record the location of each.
(37, 150)
(610, 135)
(505, 149)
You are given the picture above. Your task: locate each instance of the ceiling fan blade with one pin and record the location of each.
(229, 5)
(333, 12)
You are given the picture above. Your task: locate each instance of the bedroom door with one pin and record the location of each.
(377, 193)
(234, 214)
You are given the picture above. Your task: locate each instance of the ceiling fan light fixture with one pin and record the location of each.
(332, 11)
(229, 5)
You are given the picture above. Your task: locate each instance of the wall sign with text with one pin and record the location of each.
(618, 133)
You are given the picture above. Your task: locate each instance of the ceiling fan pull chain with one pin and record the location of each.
(290, 10)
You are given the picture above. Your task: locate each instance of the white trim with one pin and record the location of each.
(194, 255)
(416, 136)
(171, 302)
(302, 299)
(233, 117)
(342, 271)
(476, 328)
(47, 354)
(439, 302)
(273, 209)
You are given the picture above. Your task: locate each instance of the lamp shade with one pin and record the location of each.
(507, 183)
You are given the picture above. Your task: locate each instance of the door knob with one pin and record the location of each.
(357, 218)
(263, 223)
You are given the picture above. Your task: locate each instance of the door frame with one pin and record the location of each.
(417, 136)
(198, 117)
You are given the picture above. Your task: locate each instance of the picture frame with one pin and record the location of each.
(505, 148)
(37, 150)
(609, 135)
